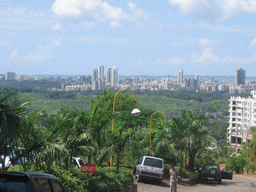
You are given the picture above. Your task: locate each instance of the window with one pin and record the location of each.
(56, 187)
(13, 182)
(153, 162)
(44, 185)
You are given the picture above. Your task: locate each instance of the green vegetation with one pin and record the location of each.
(50, 133)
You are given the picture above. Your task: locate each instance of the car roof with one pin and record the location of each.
(153, 157)
(29, 174)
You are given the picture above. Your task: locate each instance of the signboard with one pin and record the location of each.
(88, 168)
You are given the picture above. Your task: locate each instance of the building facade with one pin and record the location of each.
(180, 77)
(114, 76)
(101, 72)
(108, 76)
(241, 120)
(10, 76)
(240, 77)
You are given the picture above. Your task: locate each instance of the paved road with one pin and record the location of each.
(238, 184)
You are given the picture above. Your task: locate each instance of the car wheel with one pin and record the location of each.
(219, 181)
(160, 182)
(212, 171)
(138, 178)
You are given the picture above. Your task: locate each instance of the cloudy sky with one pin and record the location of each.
(153, 37)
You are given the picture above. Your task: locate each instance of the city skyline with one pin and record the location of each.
(153, 38)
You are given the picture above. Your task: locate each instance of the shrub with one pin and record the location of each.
(236, 163)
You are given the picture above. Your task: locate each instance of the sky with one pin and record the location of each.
(156, 38)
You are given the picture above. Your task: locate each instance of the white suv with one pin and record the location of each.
(150, 167)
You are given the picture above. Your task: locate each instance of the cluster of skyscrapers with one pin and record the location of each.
(191, 83)
(99, 81)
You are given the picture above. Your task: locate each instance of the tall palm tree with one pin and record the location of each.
(11, 114)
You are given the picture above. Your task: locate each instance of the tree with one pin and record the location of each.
(11, 114)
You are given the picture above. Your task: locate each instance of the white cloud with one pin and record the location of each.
(140, 61)
(253, 42)
(206, 42)
(14, 54)
(114, 24)
(176, 60)
(43, 52)
(206, 57)
(132, 6)
(4, 43)
(89, 24)
(80, 9)
(56, 26)
(217, 10)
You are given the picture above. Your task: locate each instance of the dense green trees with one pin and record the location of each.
(46, 138)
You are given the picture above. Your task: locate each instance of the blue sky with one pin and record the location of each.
(71, 37)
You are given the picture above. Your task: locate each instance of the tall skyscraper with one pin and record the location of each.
(108, 76)
(114, 76)
(101, 72)
(240, 77)
(10, 76)
(180, 76)
(94, 74)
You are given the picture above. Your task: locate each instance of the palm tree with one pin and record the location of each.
(11, 114)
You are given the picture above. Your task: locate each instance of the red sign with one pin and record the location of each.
(88, 168)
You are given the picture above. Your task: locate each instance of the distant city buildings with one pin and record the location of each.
(114, 76)
(240, 77)
(180, 77)
(98, 81)
(10, 76)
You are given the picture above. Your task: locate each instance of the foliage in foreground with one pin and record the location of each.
(105, 179)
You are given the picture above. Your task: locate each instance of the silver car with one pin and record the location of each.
(150, 167)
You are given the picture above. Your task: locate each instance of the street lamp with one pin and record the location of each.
(135, 112)
(151, 124)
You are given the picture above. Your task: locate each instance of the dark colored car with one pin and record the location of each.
(212, 172)
(11, 181)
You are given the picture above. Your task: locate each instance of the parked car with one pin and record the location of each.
(7, 162)
(77, 161)
(29, 182)
(212, 172)
(150, 167)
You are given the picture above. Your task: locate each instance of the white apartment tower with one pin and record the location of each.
(180, 76)
(108, 76)
(94, 74)
(101, 72)
(241, 120)
(114, 76)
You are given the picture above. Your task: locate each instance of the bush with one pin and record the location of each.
(103, 180)
(236, 163)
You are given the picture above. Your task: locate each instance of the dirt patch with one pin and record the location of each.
(245, 174)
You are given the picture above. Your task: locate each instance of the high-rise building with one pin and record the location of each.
(10, 76)
(114, 76)
(94, 74)
(241, 120)
(180, 76)
(240, 77)
(108, 76)
(101, 72)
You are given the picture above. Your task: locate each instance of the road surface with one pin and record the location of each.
(238, 184)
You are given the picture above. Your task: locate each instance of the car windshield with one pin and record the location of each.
(13, 183)
(153, 162)
(211, 167)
